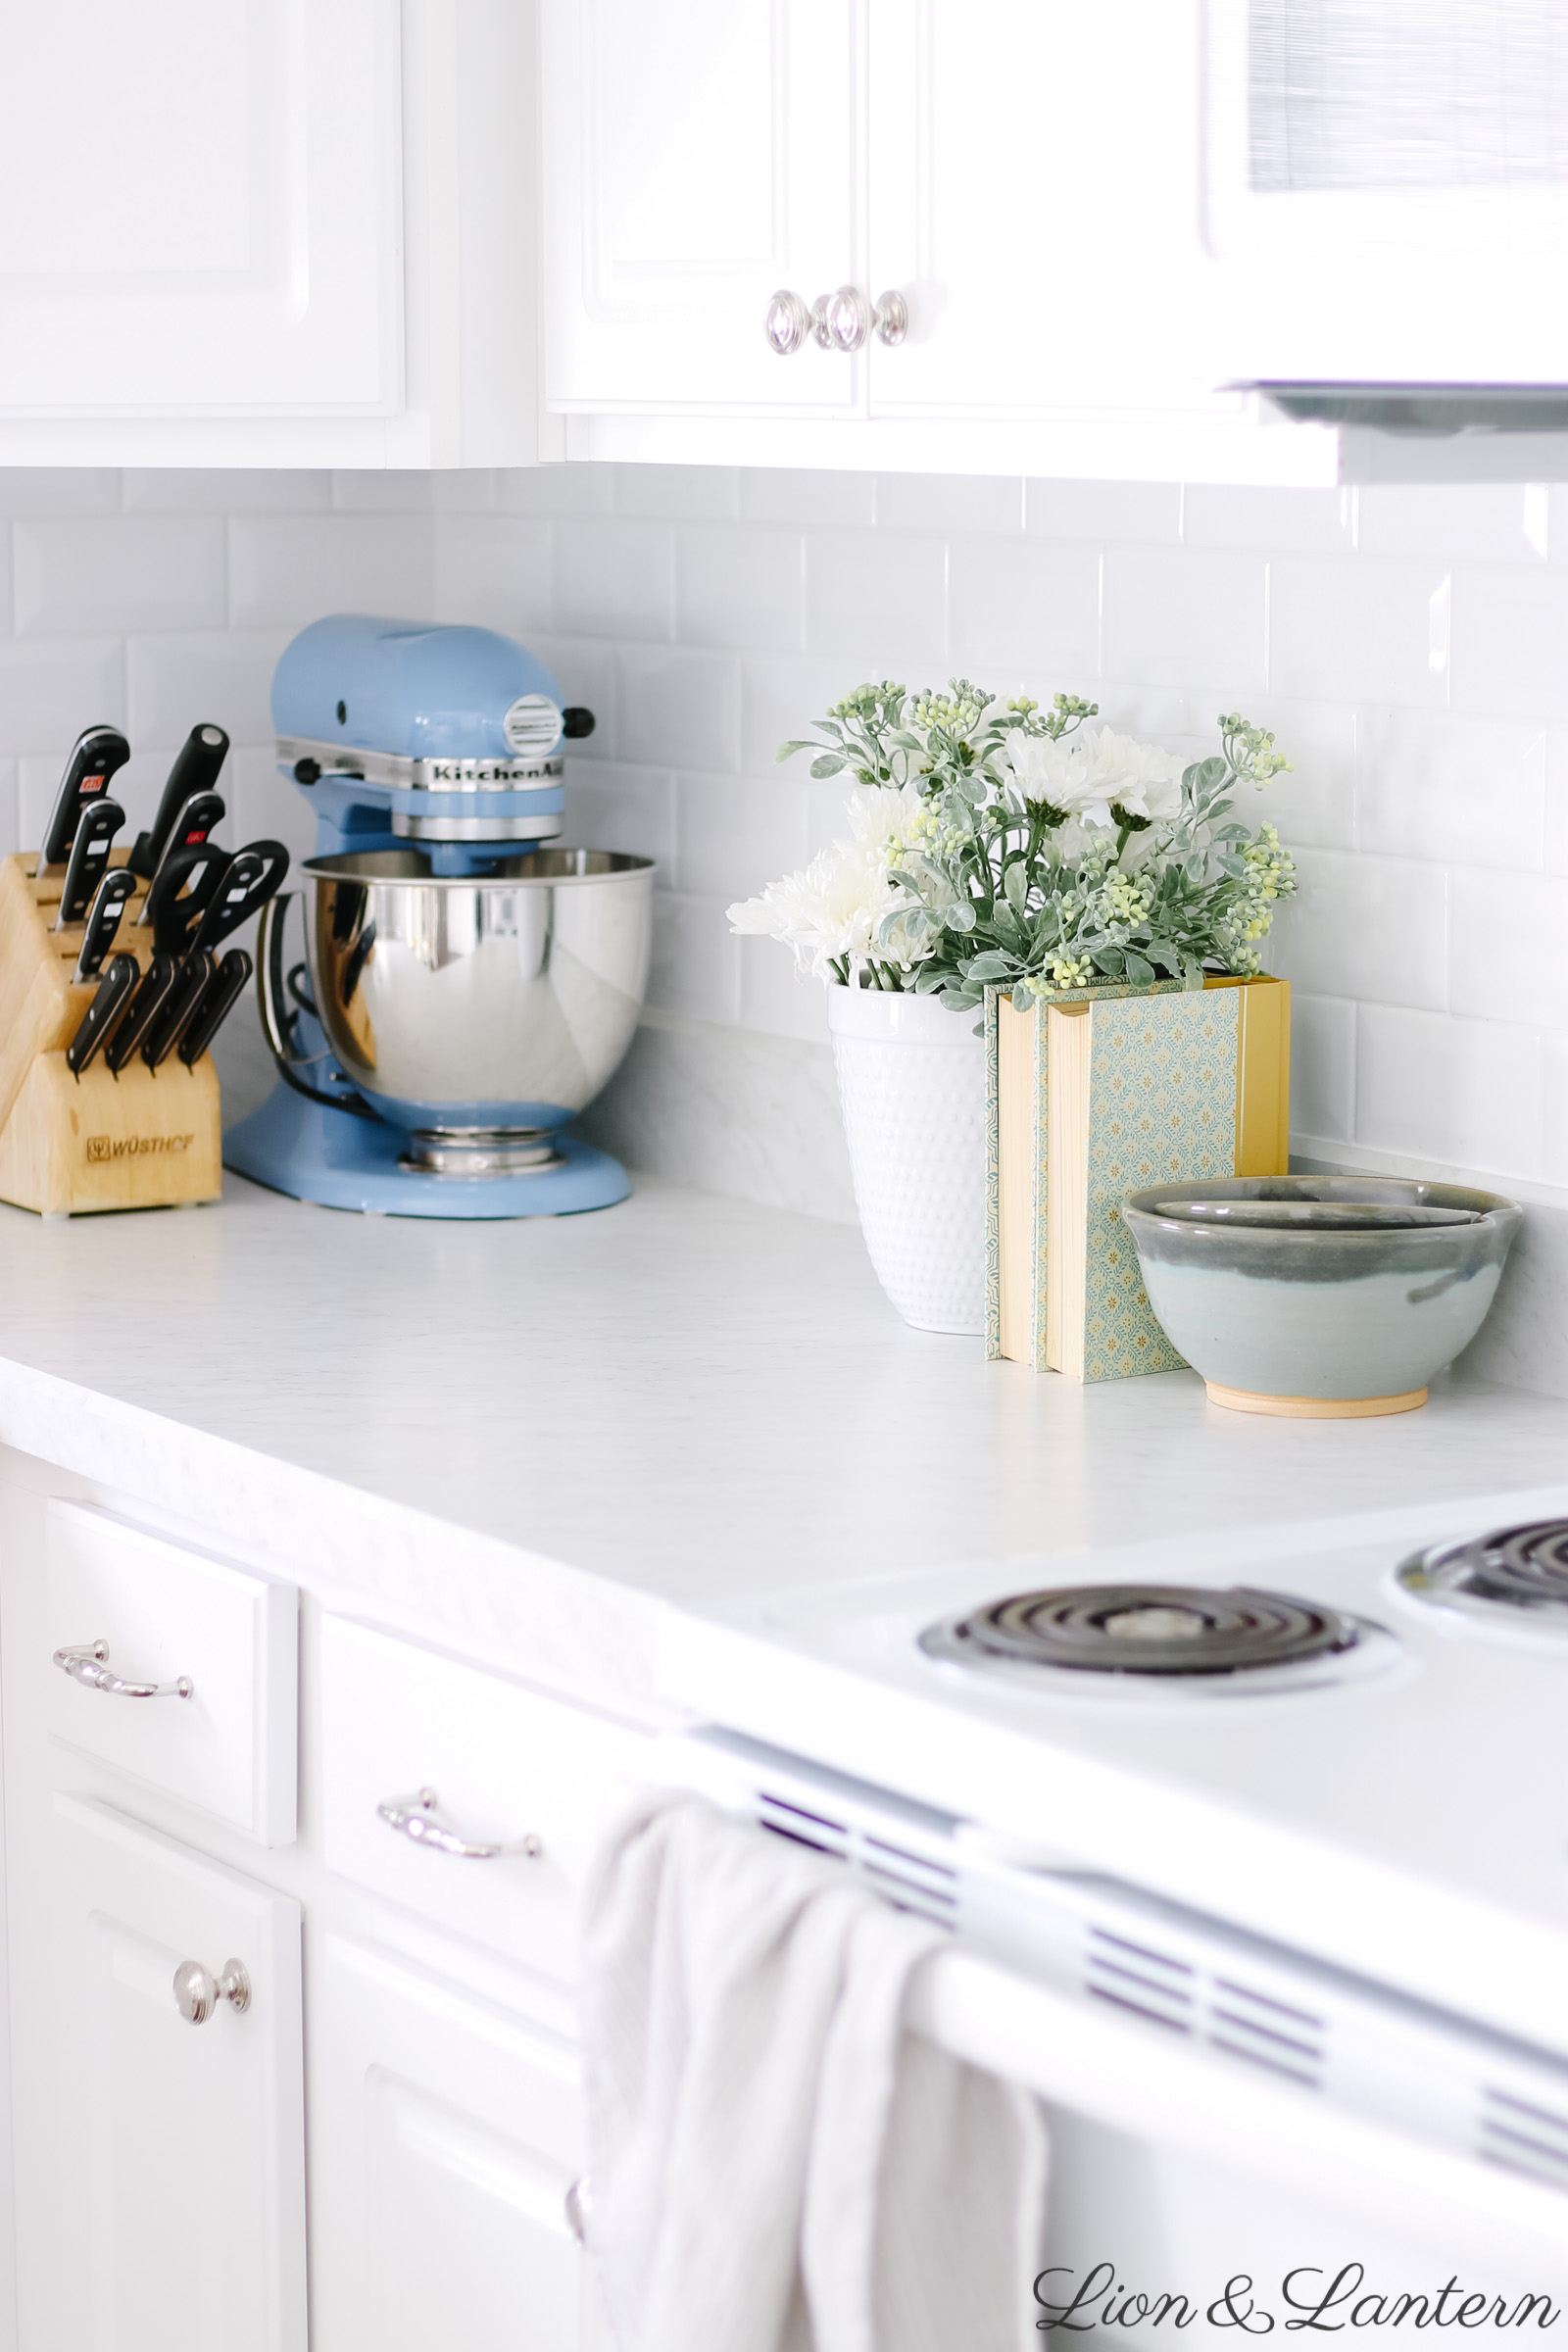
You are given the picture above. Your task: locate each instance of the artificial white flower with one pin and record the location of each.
(831, 909)
(1093, 773)
(887, 815)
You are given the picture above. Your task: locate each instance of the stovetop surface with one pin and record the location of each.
(1399, 1802)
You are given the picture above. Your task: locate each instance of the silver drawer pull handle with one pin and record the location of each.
(580, 2204)
(89, 1664)
(197, 1992)
(416, 1816)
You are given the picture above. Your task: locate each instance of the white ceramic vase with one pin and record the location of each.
(912, 1086)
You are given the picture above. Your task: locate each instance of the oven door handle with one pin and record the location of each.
(1219, 2109)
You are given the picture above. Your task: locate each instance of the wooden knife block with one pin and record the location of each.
(146, 1139)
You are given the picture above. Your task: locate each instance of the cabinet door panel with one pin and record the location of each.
(200, 208)
(159, 2165)
(445, 2136)
(1017, 212)
(696, 160)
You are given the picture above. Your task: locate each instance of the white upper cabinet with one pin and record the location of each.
(200, 208)
(1386, 189)
(268, 232)
(1009, 190)
(695, 160)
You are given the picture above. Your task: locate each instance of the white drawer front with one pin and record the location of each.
(506, 1766)
(163, 1612)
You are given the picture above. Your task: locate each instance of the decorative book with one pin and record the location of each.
(1095, 1093)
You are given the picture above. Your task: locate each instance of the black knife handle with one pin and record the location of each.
(197, 870)
(196, 769)
(201, 812)
(104, 1015)
(103, 920)
(151, 990)
(249, 881)
(228, 985)
(88, 861)
(191, 983)
(94, 757)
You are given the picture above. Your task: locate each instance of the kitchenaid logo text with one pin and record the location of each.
(134, 1146)
(1307, 2298)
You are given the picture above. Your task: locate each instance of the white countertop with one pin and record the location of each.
(689, 1396)
(683, 1459)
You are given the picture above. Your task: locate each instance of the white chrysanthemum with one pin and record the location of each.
(886, 815)
(1090, 775)
(831, 909)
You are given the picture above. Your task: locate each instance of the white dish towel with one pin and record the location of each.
(775, 2164)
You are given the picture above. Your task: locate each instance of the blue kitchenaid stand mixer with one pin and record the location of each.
(467, 985)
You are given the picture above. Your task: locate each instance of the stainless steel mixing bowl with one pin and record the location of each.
(460, 1007)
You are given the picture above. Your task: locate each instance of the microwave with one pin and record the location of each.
(1384, 207)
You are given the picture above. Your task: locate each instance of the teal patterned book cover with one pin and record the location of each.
(1162, 1094)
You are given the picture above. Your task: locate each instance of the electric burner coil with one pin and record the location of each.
(1523, 1568)
(1172, 1630)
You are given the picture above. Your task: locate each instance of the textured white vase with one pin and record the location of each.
(913, 1087)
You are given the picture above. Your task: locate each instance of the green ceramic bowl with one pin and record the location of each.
(1320, 1296)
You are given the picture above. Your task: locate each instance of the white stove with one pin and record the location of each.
(1274, 1829)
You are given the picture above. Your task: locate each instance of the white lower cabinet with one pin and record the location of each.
(446, 2134)
(161, 2163)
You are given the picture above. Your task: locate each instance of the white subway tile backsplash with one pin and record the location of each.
(949, 502)
(1465, 1094)
(878, 603)
(1371, 630)
(286, 571)
(696, 966)
(1365, 927)
(222, 675)
(59, 490)
(1436, 785)
(1274, 521)
(679, 709)
(740, 586)
(796, 494)
(52, 687)
(1405, 645)
(681, 492)
(1461, 521)
(117, 572)
(616, 579)
(496, 570)
(210, 490)
(776, 998)
(1510, 632)
(384, 491)
(631, 808)
(734, 834)
(1107, 514)
(1186, 618)
(1323, 1066)
(1025, 615)
(1506, 945)
(556, 489)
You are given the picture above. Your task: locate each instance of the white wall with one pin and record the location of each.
(1409, 645)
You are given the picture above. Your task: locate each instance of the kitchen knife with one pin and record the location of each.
(88, 861)
(178, 1008)
(196, 868)
(228, 983)
(104, 1015)
(250, 880)
(196, 769)
(94, 757)
(151, 990)
(196, 820)
(103, 920)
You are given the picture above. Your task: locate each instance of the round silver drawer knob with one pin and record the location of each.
(891, 318)
(197, 1992)
(786, 323)
(843, 320)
